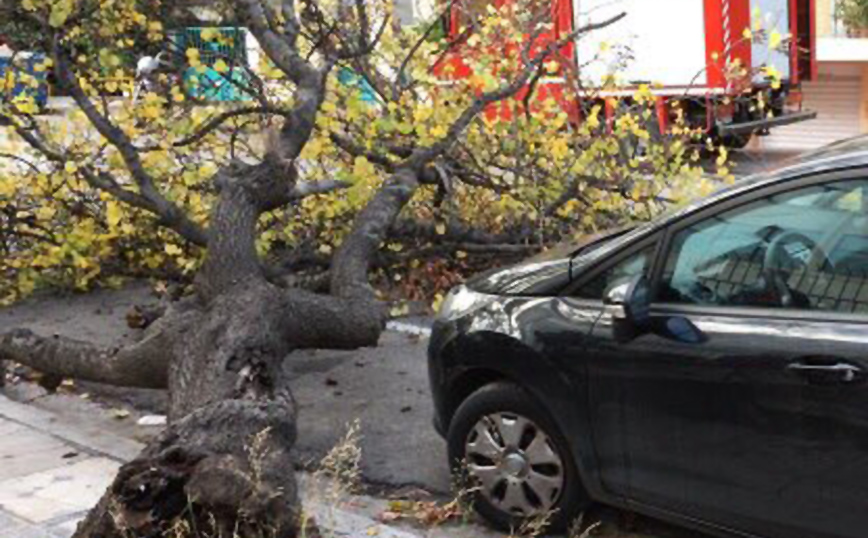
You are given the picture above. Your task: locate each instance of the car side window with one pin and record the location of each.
(805, 249)
(624, 270)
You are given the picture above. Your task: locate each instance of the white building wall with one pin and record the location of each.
(411, 12)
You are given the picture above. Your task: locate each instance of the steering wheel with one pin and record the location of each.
(776, 255)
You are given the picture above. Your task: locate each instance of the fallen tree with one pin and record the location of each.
(223, 466)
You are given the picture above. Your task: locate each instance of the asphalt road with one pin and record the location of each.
(746, 162)
(385, 389)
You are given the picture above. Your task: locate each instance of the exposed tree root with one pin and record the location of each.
(224, 470)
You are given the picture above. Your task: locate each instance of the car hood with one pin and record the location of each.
(545, 273)
(527, 278)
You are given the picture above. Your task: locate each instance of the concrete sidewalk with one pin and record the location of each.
(51, 471)
(54, 468)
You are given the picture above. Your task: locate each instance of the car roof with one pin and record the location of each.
(841, 155)
(847, 153)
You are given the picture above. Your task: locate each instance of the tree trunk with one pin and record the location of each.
(224, 464)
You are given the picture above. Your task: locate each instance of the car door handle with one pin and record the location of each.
(846, 372)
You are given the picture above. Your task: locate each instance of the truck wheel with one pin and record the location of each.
(506, 450)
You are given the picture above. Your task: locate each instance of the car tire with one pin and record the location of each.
(541, 458)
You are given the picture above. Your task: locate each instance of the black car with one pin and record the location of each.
(708, 368)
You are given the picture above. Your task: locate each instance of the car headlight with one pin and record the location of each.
(460, 302)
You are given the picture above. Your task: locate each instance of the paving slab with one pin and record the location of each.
(80, 434)
(9, 524)
(33, 531)
(64, 491)
(27, 451)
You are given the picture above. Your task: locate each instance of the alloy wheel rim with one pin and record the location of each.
(515, 465)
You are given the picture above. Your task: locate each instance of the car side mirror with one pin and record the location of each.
(629, 304)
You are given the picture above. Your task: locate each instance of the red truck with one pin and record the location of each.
(686, 51)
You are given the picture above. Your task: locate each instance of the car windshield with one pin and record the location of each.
(594, 243)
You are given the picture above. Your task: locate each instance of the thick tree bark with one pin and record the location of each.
(144, 364)
(224, 469)
(349, 272)
(141, 365)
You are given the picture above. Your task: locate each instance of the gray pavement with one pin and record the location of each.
(386, 390)
(52, 470)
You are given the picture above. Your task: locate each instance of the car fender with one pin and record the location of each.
(472, 360)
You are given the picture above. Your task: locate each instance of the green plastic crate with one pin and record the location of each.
(207, 83)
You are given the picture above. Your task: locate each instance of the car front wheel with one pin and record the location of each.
(508, 452)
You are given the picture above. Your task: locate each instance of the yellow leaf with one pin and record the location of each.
(70, 167)
(113, 214)
(7, 187)
(440, 229)
(60, 11)
(209, 34)
(193, 57)
(723, 155)
(45, 212)
(120, 414)
(775, 39)
(438, 131)
(220, 66)
(172, 249)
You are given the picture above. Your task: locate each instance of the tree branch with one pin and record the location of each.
(304, 189)
(217, 121)
(309, 80)
(142, 365)
(170, 214)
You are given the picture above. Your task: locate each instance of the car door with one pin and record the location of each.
(759, 420)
